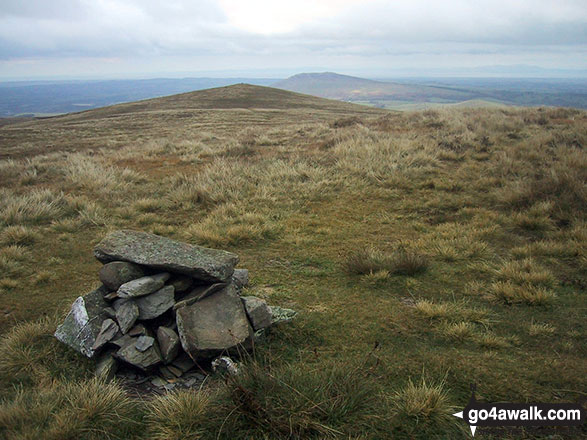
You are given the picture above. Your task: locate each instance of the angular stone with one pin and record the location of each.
(122, 341)
(144, 342)
(166, 254)
(176, 371)
(106, 367)
(138, 330)
(115, 274)
(143, 286)
(107, 332)
(280, 314)
(158, 382)
(110, 312)
(166, 373)
(127, 314)
(181, 283)
(155, 304)
(199, 293)
(240, 277)
(84, 321)
(257, 311)
(144, 360)
(214, 324)
(168, 343)
(183, 362)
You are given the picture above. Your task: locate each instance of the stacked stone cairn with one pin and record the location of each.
(165, 307)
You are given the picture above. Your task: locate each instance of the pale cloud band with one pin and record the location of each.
(304, 32)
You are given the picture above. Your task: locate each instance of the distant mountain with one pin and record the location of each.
(350, 88)
(417, 93)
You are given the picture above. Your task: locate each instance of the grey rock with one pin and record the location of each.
(225, 365)
(280, 314)
(115, 274)
(107, 332)
(257, 311)
(83, 323)
(199, 293)
(183, 362)
(175, 371)
(106, 367)
(110, 312)
(169, 387)
(143, 343)
(158, 382)
(127, 314)
(155, 304)
(240, 277)
(168, 343)
(123, 341)
(181, 283)
(166, 373)
(144, 360)
(214, 324)
(165, 254)
(143, 286)
(138, 330)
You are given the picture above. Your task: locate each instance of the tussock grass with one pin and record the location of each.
(88, 410)
(30, 355)
(493, 342)
(425, 408)
(453, 312)
(35, 207)
(18, 235)
(508, 293)
(86, 172)
(459, 331)
(540, 329)
(526, 271)
(368, 261)
(179, 415)
(292, 402)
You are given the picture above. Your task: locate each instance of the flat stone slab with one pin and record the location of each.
(168, 255)
(143, 286)
(82, 325)
(214, 324)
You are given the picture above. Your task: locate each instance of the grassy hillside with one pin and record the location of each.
(424, 251)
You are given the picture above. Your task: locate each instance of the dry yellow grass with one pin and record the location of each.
(488, 205)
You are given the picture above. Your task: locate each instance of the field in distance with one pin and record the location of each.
(424, 251)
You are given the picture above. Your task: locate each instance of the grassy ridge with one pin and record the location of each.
(424, 251)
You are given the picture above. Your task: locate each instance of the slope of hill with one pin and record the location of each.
(226, 108)
(423, 251)
(58, 97)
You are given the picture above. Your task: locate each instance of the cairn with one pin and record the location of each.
(165, 307)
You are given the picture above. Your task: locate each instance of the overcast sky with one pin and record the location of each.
(272, 38)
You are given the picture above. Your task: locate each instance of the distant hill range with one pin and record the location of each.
(46, 98)
(425, 93)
